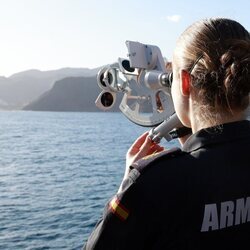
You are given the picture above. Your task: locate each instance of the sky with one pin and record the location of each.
(53, 34)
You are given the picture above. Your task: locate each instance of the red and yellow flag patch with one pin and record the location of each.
(118, 209)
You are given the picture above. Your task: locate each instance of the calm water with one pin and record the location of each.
(57, 171)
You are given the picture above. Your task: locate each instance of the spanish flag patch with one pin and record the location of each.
(118, 209)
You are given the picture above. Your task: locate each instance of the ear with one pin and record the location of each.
(185, 82)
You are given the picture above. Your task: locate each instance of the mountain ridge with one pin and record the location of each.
(71, 94)
(22, 88)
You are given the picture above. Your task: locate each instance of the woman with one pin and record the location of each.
(197, 197)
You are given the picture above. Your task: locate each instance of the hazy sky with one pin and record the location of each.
(51, 34)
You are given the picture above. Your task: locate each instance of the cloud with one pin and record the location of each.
(174, 18)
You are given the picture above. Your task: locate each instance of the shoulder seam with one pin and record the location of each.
(144, 163)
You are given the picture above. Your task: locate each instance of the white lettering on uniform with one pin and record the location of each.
(231, 213)
(210, 218)
(242, 214)
(226, 214)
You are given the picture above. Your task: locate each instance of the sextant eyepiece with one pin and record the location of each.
(109, 78)
(126, 66)
(167, 79)
(107, 99)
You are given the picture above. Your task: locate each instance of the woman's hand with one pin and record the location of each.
(142, 147)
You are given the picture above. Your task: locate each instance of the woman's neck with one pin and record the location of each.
(204, 120)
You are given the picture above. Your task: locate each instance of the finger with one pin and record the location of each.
(138, 143)
(157, 149)
(157, 146)
(151, 150)
(146, 144)
(145, 147)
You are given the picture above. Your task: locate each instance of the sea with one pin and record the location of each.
(57, 172)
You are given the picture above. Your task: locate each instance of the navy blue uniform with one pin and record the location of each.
(194, 198)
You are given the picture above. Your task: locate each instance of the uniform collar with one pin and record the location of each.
(219, 134)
